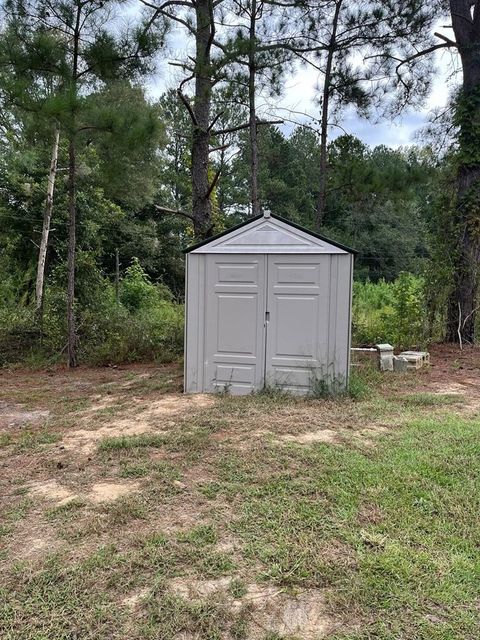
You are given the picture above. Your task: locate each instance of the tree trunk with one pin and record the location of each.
(47, 216)
(463, 300)
(256, 209)
(322, 192)
(72, 214)
(72, 204)
(201, 205)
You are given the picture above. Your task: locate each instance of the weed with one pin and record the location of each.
(237, 588)
(134, 471)
(358, 386)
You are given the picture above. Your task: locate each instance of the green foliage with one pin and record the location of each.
(390, 312)
(137, 290)
(145, 324)
(379, 200)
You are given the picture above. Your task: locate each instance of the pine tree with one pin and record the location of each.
(354, 45)
(86, 53)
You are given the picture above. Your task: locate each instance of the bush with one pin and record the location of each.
(144, 324)
(393, 312)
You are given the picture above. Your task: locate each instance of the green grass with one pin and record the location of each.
(132, 442)
(389, 530)
(29, 439)
(130, 470)
(430, 399)
(65, 511)
(397, 570)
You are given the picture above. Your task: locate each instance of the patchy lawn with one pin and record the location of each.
(132, 512)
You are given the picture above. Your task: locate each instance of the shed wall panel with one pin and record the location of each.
(297, 329)
(339, 320)
(234, 323)
(194, 324)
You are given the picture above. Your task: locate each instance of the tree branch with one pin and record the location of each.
(425, 52)
(188, 106)
(214, 183)
(452, 43)
(215, 120)
(246, 125)
(221, 148)
(176, 212)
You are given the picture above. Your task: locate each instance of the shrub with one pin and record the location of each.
(144, 324)
(392, 312)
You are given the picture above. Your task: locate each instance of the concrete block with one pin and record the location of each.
(385, 356)
(400, 364)
(415, 359)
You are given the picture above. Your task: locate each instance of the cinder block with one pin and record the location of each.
(385, 357)
(400, 364)
(415, 359)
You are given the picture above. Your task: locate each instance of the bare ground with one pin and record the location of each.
(65, 489)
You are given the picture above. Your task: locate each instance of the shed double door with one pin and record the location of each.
(266, 319)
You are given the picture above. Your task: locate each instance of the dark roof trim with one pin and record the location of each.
(289, 222)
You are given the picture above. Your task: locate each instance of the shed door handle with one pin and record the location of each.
(267, 316)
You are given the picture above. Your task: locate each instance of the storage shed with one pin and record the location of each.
(268, 303)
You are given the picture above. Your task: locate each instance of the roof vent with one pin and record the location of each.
(266, 214)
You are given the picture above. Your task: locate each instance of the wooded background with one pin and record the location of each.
(101, 186)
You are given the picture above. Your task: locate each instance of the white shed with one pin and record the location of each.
(268, 303)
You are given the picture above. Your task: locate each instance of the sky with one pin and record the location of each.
(299, 96)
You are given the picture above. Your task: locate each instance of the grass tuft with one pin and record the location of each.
(132, 442)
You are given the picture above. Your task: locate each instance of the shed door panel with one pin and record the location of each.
(297, 327)
(235, 323)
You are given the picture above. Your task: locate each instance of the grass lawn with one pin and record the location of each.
(132, 512)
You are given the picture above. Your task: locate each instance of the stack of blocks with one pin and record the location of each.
(415, 359)
(407, 360)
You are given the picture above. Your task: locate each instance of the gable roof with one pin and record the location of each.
(269, 234)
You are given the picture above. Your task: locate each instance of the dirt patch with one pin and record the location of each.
(311, 437)
(33, 539)
(303, 615)
(99, 493)
(335, 436)
(14, 415)
(85, 441)
(187, 587)
(369, 514)
(142, 420)
(52, 490)
(110, 491)
(179, 404)
(135, 599)
(467, 391)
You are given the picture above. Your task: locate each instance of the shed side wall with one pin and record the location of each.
(339, 318)
(194, 323)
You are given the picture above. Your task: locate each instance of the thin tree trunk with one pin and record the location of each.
(117, 276)
(201, 205)
(72, 214)
(322, 192)
(462, 303)
(256, 208)
(72, 206)
(47, 216)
